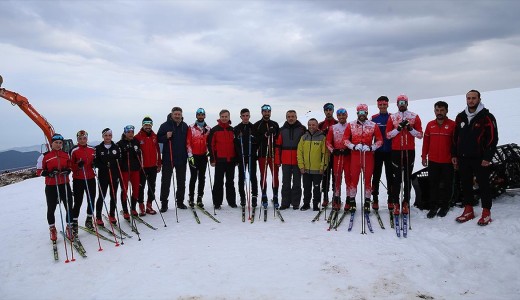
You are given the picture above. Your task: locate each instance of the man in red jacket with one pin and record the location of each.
(402, 127)
(436, 154)
(222, 156)
(151, 163)
(83, 178)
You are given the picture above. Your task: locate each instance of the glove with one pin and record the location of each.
(402, 125)
(52, 173)
(65, 172)
(337, 152)
(81, 164)
(366, 148)
(358, 147)
(270, 131)
(409, 127)
(191, 161)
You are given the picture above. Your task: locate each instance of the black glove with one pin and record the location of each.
(337, 151)
(402, 125)
(81, 164)
(269, 131)
(65, 172)
(409, 127)
(52, 173)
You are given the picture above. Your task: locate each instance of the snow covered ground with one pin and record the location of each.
(297, 259)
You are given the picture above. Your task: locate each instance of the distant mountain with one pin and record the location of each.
(42, 147)
(16, 160)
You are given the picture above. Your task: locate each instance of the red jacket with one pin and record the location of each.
(326, 124)
(85, 154)
(335, 137)
(438, 140)
(197, 140)
(54, 160)
(151, 152)
(221, 143)
(363, 133)
(406, 137)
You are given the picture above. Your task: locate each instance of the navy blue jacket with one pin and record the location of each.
(177, 142)
(381, 120)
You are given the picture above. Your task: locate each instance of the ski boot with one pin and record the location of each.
(254, 201)
(164, 206)
(336, 203)
(142, 210)
(405, 210)
(275, 202)
(191, 201)
(199, 201)
(53, 233)
(69, 233)
(375, 202)
(467, 214)
(88, 223)
(149, 208)
(126, 215)
(485, 219)
(113, 220)
(366, 205)
(264, 201)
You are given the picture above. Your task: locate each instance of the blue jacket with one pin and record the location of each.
(381, 120)
(178, 142)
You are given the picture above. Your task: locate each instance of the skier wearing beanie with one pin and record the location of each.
(475, 142)
(151, 164)
(324, 126)
(198, 156)
(83, 178)
(55, 165)
(108, 155)
(402, 127)
(130, 168)
(363, 137)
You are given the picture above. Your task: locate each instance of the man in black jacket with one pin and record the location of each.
(266, 132)
(474, 144)
(173, 135)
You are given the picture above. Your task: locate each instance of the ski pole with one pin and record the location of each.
(408, 188)
(91, 207)
(244, 168)
(69, 221)
(248, 184)
(61, 217)
(173, 181)
(362, 173)
(114, 197)
(133, 222)
(147, 180)
(211, 185)
(106, 209)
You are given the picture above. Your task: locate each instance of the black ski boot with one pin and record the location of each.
(88, 223)
(199, 201)
(191, 202)
(254, 201)
(164, 206)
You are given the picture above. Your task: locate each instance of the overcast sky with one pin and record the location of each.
(96, 64)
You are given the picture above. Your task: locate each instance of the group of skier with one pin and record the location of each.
(315, 157)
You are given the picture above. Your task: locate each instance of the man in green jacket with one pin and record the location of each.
(313, 159)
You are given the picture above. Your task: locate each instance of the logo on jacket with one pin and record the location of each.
(462, 124)
(114, 152)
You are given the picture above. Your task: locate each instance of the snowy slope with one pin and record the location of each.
(297, 259)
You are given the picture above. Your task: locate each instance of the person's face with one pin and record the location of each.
(56, 145)
(266, 114)
(313, 126)
(107, 137)
(383, 106)
(177, 116)
(362, 115)
(342, 117)
(82, 140)
(402, 105)
(201, 117)
(245, 117)
(224, 117)
(291, 117)
(440, 112)
(328, 112)
(472, 100)
(147, 127)
(129, 135)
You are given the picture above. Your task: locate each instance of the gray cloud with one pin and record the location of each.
(294, 53)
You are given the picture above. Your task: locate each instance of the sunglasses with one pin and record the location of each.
(129, 128)
(402, 102)
(266, 107)
(361, 112)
